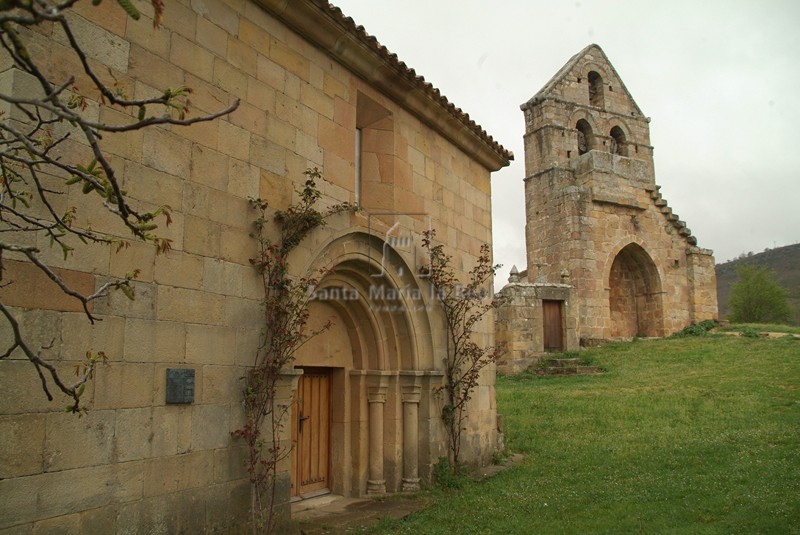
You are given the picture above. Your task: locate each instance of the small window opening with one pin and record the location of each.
(618, 142)
(374, 141)
(595, 89)
(585, 137)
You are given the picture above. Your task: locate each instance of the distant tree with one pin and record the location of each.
(757, 298)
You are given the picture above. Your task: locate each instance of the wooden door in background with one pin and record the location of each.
(553, 326)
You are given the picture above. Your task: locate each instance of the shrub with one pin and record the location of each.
(444, 477)
(749, 332)
(757, 298)
(695, 329)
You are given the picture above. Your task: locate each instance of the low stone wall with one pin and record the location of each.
(519, 322)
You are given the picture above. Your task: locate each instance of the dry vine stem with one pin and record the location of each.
(464, 306)
(285, 308)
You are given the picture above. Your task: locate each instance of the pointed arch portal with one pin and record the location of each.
(635, 294)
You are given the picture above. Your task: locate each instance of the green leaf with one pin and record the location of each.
(128, 291)
(130, 9)
(66, 249)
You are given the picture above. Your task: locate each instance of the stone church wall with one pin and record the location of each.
(134, 463)
(519, 322)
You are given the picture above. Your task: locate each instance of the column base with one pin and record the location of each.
(410, 485)
(376, 487)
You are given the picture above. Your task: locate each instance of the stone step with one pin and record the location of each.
(561, 370)
(561, 363)
(510, 367)
(572, 370)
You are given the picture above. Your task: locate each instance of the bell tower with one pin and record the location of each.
(594, 211)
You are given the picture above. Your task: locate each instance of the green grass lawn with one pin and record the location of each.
(691, 435)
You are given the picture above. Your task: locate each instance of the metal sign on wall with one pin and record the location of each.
(180, 385)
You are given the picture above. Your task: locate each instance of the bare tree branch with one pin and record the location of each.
(38, 165)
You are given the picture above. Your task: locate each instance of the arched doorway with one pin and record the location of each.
(635, 294)
(370, 367)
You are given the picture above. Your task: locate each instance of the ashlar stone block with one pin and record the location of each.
(42, 496)
(167, 152)
(21, 445)
(72, 442)
(210, 428)
(96, 42)
(154, 341)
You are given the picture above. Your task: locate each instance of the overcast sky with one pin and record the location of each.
(719, 79)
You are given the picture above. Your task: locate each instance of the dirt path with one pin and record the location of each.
(332, 515)
(762, 334)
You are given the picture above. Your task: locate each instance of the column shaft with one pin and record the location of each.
(376, 484)
(410, 446)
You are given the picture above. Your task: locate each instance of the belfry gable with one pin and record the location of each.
(589, 79)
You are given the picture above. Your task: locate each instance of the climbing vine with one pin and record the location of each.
(285, 314)
(464, 306)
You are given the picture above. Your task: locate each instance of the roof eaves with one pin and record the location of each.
(358, 50)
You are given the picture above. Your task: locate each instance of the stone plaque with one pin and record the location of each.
(180, 385)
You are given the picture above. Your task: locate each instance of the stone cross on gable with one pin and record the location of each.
(540, 277)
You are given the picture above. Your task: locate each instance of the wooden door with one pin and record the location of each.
(553, 326)
(311, 434)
